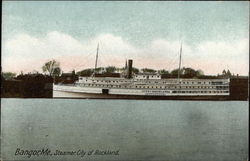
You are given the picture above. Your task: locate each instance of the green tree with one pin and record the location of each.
(85, 72)
(174, 73)
(229, 73)
(199, 73)
(122, 69)
(163, 71)
(189, 72)
(52, 68)
(148, 70)
(135, 70)
(99, 69)
(8, 75)
(57, 71)
(110, 69)
(224, 72)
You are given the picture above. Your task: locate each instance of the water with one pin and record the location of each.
(139, 129)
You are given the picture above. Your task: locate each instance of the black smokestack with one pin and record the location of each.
(130, 63)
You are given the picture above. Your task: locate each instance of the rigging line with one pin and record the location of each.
(96, 58)
(81, 64)
(174, 60)
(85, 60)
(76, 65)
(170, 62)
(179, 64)
(100, 60)
(105, 62)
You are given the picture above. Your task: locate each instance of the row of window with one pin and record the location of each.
(109, 81)
(147, 76)
(194, 91)
(124, 81)
(200, 91)
(161, 87)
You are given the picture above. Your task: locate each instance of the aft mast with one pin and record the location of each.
(96, 58)
(179, 64)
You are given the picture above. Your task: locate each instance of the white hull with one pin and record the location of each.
(70, 91)
(64, 94)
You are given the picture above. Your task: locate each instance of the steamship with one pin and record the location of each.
(143, 86)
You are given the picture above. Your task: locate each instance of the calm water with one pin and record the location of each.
(140, 130)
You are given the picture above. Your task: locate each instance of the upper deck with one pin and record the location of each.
(110, 80)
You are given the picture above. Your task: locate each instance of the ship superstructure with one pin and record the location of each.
(157, 87)
(143, 85)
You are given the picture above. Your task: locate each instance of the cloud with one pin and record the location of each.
(213, 57)
(25, 52)
(223, 49)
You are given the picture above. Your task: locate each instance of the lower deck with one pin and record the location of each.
(79, 95)
(95, 92)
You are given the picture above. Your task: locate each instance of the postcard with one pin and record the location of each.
(125, 80)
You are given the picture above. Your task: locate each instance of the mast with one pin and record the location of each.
(179, 64)
(96, 58)
(126, 65)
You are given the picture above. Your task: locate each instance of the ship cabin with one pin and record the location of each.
(147, 76)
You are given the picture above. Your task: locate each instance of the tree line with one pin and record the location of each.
(53, 69)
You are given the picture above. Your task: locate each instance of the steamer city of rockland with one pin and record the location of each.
(144, 86)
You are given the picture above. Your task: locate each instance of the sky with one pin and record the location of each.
(214, 35)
